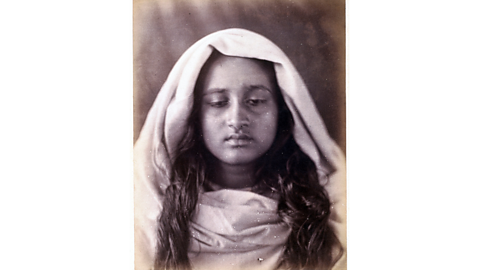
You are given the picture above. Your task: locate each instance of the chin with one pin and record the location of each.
(238, 160)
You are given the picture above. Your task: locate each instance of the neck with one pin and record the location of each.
(234, 176)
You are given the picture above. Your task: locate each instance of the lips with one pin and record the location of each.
(237, 136)
(238, 140)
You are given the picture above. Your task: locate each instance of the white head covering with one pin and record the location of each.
(167, 120)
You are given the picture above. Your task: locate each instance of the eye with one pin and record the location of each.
(255, 101)
(218, 103)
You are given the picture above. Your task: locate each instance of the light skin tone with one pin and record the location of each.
(238, 116)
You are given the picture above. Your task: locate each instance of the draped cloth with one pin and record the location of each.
(167, 121)
(235, 229)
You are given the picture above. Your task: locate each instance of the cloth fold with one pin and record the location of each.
(235, 229)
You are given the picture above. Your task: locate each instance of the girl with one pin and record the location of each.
(234, 167)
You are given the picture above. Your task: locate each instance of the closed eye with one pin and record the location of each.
(218, 104)
(255, 102)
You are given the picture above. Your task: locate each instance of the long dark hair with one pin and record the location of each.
(303, 203)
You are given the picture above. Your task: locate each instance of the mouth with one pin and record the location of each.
(238, 137)
(238, 140)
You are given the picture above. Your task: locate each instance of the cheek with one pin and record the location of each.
(273, 126)
(208, 125)
(269, 125)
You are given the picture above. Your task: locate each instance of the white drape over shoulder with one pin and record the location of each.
(236, 230)
(167, 120)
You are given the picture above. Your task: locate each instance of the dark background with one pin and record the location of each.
(311, 33)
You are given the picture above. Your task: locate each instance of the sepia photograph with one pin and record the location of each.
(239, 134)
(239, 130)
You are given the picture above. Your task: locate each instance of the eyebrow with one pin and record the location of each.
(214, 91)
(259, 87)
(249, 88)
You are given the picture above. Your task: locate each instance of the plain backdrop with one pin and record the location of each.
(67, 127)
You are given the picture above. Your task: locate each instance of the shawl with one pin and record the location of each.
(167, 120)
(235, 229)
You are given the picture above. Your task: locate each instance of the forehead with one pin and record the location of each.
(232, 72)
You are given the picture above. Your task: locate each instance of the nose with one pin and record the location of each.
(237, 116)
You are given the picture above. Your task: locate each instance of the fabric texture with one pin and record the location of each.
(235, 229)
(167, 120)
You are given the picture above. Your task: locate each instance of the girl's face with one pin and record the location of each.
(239, 111)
